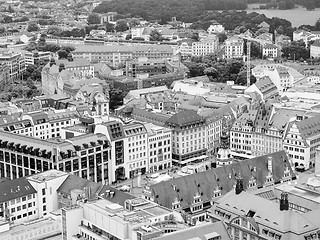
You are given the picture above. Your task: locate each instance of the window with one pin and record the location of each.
(44, 200)
(43, 191)
(44, 208)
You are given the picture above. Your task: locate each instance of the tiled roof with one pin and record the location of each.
(309, 127)
(17, 188)
(184, 118)
(222, 178)
(74, 182)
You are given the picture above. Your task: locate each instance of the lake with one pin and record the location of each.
(297, 16)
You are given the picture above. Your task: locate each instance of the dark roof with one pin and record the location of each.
(75, 182)
(17, 188)
(184, 118)
(223, 178)
(115, 130)
(309, 127)
(119, 197)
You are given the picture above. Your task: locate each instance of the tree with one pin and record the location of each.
(10, 9)
(2, 29)
(222, 37)
(155, 35)
(133, 22)
(121, 25)
(109, 27)
(94, 18)
(33, 27)
(62, 54)
(116, 98)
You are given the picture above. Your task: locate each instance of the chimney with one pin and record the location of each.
(317, 161)
(284, 202)
(239, 186)
(270, 164)
(52, 62)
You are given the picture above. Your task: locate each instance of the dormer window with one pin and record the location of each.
(217, 192)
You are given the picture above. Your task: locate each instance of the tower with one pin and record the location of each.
(224, 152)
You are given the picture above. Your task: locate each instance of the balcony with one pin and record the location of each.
(93, 231)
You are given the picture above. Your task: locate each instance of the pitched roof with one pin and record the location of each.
(222, 178)
(183, 118)
(118, 197)
(309, 127)
(17, 188)
(75, 182)
(269, 214)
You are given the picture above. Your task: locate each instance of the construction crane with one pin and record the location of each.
(248, 62)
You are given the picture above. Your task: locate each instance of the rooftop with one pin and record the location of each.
(47, 175)
(13, 189)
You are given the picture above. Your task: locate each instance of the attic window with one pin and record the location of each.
(251, 213)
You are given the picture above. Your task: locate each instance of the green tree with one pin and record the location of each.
(155, 35)
(94, 18)
(121, 25)
(109, 27)
(33, 27)
(62, 54)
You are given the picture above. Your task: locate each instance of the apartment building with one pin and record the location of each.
(137, 140)
(43, 125)
(189, 137)
(4, 75)
(32, 58)
(14, 61)
(270, 50)
(214, 129)
(18, 202)
(208, 45)
(301, 140)
(160, 150)
(85, 156)
(119, 54)
(233, 48)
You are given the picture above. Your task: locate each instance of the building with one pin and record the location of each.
(206, 46)
(264, 87)
(4, 75)
(160, 150)
(115, 55)
(18, 202)
(270, 50)
(136, 219)
(32, 58)
(249, 216)
(189, 137)
(215, 27)
(315, 49)
(14, 61)
(194, 194)
(233, 48)
(301, 140)
(86, 156)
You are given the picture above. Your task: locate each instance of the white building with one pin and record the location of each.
(215, 28)
(233, 47)
(206, 46)
(160, 151)
(315, 49)
(270, 50)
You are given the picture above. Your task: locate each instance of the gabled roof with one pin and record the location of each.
(308, 127)
(223, 178)
(184, 118)
(17, 188)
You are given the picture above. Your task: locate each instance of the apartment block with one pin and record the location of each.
(85, 156)
(160, 150)
(233, 48)
(115, 55)
(14, 61)
(301, 140)
(206, 46)
(32, 58)
(189, 137)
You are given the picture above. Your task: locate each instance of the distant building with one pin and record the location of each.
(315, 49)
(270, 51)
(206, 46)
(14, 61)
(32, 58)
(4, 75)
(233, 48)
(215, 27)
